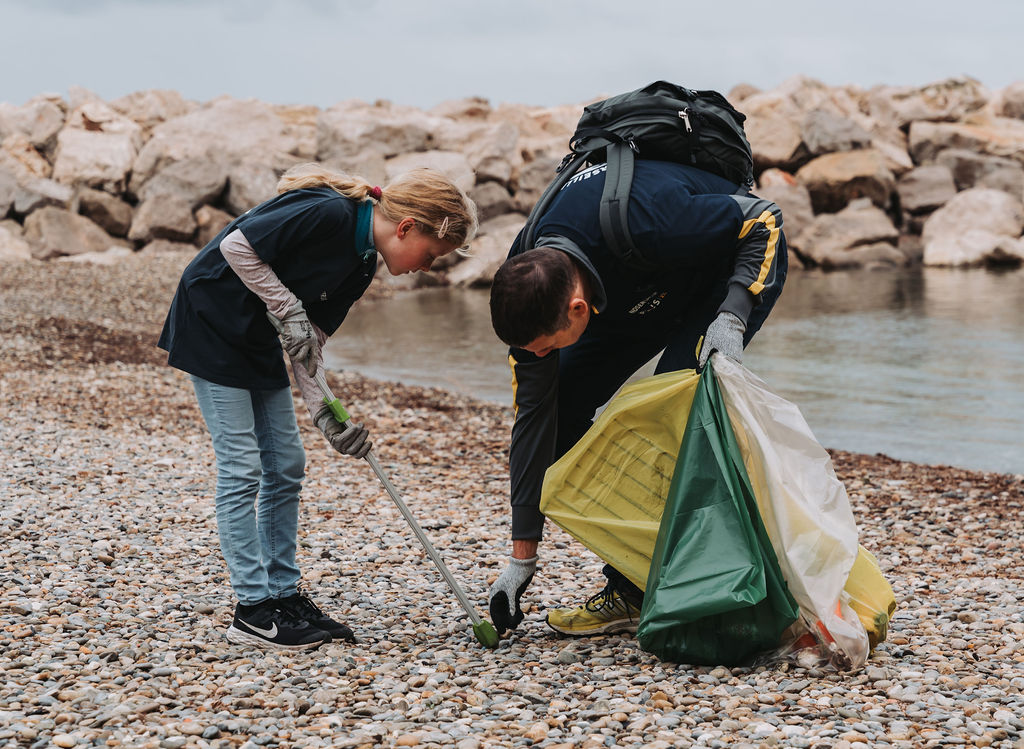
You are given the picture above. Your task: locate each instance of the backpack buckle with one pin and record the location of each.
(565, 161)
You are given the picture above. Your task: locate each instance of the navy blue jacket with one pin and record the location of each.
(708, 245)
(316, 241)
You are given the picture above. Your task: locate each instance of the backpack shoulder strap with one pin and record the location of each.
(568, 168)
(614, 210)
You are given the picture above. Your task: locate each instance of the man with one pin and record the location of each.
(580, 322)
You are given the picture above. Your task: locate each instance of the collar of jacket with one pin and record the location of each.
(569, 247)
(364, 230)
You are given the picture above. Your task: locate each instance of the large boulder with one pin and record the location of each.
(972, 169)
(97, 148)
(52, 232)
(452, 164)
(926, 188)
(8, 189)
(974, 247)
(471, 107)
(948, 100)
(151, 108)
(489, 147)
(789, 195)
(370, 165)
(349, 128)
(1011, 101)
(773, 129)
(824, 132)
(19, 156)
(491, 200)
(163, 217)
(831, 238)
(489, 250)
(39, 120)
(532, 179)
(112, 214)
(229, 130)
(13, 245)
(994, 136)
(196, 180)
(210, 221)
(249, 185)
(835, 179)
(33, 194)
(972, 228)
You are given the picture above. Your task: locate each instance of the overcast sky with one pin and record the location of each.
(543, 52)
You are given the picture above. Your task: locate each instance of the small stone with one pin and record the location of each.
(567, 656)
(537, 732)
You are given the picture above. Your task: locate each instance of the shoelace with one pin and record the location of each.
(303, 602)
(286, 616)
(608, 599)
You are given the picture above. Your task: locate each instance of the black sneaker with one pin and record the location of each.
(270, 625)
(302, 607)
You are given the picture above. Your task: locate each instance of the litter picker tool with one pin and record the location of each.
(483, 629)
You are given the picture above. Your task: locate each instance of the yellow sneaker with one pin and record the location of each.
(604, 614)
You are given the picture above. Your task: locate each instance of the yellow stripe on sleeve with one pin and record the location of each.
(515, 385)
(768, 219)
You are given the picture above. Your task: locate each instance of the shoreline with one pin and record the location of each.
(115, 598)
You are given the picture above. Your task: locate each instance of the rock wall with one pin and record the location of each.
(879, 177)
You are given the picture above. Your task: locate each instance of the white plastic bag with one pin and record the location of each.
(804, 507)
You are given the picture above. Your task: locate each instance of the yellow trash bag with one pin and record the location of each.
(608, 491)
(871, 596)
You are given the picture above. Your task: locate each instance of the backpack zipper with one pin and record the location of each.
(684, 115)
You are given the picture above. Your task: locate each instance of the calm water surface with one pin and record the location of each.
(924, 365)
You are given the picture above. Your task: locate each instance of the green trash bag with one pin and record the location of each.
(715, 594)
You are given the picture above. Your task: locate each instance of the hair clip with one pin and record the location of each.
(443, 229)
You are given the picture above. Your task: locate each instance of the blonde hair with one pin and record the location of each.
(438, 206)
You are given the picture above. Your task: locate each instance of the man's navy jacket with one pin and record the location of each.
(706, 243)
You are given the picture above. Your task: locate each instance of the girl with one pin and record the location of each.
(303, 257)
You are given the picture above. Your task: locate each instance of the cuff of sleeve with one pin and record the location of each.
(527, 523)
(739, 301)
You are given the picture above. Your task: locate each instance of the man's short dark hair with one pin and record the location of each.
(530, 296)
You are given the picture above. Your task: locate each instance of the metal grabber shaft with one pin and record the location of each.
(482, 628)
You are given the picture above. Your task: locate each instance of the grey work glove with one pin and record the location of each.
(725, 334)
(348, 438)
(507, 590)
(298, 337)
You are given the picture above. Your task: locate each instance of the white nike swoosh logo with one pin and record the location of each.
(268, 633)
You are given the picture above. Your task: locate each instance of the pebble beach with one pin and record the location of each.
(114, 598)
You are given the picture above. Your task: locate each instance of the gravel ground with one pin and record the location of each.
(115, 599)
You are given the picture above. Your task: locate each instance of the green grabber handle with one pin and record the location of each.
(483, 630)
(340, 414)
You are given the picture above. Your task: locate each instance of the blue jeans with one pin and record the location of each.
(260, 467)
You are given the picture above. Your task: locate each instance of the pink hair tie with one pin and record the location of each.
(375, 193)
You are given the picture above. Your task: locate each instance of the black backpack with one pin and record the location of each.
(661, 121)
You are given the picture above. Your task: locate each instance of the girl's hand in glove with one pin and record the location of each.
(297, 337)
(725, 334)
(348, 438)
(506, 592)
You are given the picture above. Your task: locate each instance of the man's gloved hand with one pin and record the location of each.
(725, 334)
(506, 592)
(298, 337)
(348, 438)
